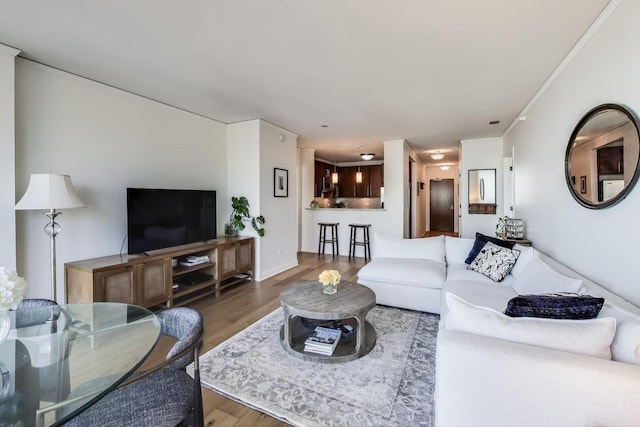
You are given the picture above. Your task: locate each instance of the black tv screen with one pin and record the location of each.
(161, 218)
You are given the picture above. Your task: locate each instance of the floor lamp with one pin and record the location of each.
(52, 192)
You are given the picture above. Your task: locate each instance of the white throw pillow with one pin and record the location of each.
(494, 261)
(589, 337)
(391, 247)
(537, 277)
(457, 249)
(526, 255)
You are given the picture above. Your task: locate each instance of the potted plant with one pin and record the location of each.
(239, 214)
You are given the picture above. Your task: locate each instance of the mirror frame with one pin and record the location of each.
(567, 158)
(482, 208)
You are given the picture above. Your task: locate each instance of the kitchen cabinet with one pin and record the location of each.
(611, 160)
(372, 180)
(376, 180)
(322, 179)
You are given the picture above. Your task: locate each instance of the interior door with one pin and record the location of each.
(441, 208)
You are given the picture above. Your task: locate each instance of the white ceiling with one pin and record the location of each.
(428, 71)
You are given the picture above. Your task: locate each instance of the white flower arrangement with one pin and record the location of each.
(330, 277)
(12, 289)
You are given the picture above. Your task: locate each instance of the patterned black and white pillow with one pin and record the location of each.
(494, 261)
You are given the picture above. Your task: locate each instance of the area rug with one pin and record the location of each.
(390, 386)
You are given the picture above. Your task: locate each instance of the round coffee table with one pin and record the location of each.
(306, 300)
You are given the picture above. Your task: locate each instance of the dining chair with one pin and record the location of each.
(163, 396)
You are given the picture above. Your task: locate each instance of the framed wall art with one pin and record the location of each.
(280, 182)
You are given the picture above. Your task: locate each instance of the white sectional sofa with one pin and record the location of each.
(492, 369)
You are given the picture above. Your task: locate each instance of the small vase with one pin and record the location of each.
(330, 288)
(230, 230)
(5, 325)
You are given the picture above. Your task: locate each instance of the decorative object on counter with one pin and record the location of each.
(501, 228)
(330, 280)
(514, 228)
(367, 156)
(12, 290)
(239, 214)
(280, 182)
(52, 192)
(314, 204)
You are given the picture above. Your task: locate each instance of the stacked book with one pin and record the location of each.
(192, 260)
(322, 341)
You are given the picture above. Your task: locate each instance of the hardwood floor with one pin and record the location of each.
(239, 307)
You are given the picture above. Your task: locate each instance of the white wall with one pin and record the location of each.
(484, 153)
(257, 147)
(7, 150)
(107, 140)
(600, 244)
(280, 247)
(395, 188)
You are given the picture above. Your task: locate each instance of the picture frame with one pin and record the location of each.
(583, 184)
(280, 182)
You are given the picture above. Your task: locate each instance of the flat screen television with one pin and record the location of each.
(161, 218)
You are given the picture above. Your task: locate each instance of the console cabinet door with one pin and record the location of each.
(245, 255)
(228, 260)
(155, 282)
(116, 285)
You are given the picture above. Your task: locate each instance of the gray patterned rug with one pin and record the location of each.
(391, 386)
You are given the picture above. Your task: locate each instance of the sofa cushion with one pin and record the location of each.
(627, 339)
(457, 249)
(485, 294)
(431, 248)
(411, 272)
(538, 277)
(494, 261)
(589, 337)
(526, 255)
(478, 244)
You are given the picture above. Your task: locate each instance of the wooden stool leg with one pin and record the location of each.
(336, 250)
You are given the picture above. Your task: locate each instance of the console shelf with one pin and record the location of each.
(147, 280)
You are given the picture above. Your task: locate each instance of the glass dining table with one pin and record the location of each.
(56, 361)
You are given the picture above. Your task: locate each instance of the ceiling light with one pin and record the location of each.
(367, 156)
(437, 156)
(445, 167)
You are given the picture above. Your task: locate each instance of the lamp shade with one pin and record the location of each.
(49, 191)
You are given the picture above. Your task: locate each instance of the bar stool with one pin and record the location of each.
(364, 242)
(323, 240)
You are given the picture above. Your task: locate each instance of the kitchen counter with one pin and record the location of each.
(377, 217)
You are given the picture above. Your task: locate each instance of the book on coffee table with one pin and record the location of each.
(322, 341)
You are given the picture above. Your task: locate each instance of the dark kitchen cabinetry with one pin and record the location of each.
(376, 180)
(322, 181)
(611, 160)
(372, 180)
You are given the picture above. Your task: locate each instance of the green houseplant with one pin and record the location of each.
(240, 214)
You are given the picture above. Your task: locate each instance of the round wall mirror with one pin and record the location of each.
(601, 161)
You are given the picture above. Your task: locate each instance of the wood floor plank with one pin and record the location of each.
(242, 305)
